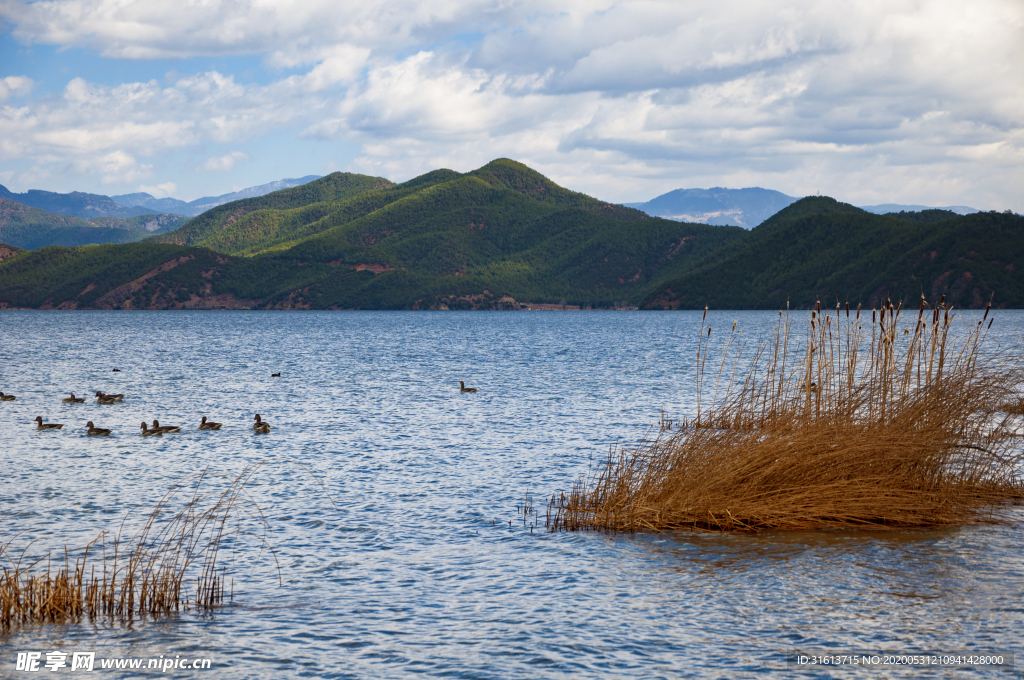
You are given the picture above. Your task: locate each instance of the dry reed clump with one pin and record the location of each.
(885, 425)
(1014, 408)
(150, 573)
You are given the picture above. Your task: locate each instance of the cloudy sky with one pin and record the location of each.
(867, 101)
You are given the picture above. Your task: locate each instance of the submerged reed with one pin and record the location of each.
(884, 424)
(172, 562)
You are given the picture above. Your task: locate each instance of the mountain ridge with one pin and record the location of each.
(746, 207)
(76, 203)
(482, 239)
(201, 205)
(503, 235)
(30, 228)
(821, 249)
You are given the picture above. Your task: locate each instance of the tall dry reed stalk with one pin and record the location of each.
(172, 562)
(884, 423)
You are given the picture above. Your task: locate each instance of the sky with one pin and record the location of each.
(887, 101)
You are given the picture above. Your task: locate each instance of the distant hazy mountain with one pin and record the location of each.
(85, 206)
(201, 205)
(737, 207)
(884, 208)
(748, 207)
(29, 228)
(144, 200)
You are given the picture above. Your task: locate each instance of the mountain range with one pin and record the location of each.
(819, 249)
(886, 208)
(503, 236)
(88, 206)
(483, 239)
(745, 208)
(25, 227)
(78, 204)
(36, 219)
(201, 205)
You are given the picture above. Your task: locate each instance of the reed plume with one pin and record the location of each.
(886, 423)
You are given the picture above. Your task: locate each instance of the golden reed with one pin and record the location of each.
(171, 563)
(886, 423)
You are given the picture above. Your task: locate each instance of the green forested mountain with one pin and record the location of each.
(820, 249)
(76, 204)
(501, 234)
(251, 224)
(284, 218)
(30, 228)
(146, 225)
(504, 235)
(7, 252)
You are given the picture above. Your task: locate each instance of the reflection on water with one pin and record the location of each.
(407, 564)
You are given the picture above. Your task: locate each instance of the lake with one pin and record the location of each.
(391, 500)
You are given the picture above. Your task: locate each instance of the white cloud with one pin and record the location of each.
(14, 85)
(162, 190)
(286, 29)
(223, 163)
(89, 128)
(116, 167)
(915, 100)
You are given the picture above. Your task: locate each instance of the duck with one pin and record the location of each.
(146, 432)
(72, 399)
(97, 431)
(208, 425)
(7, 397)
(104, 399)
(47, 426)
(463, 388)
(260, 426)
(275, 375)
(104, 395)
(165, 428)
(115, 370)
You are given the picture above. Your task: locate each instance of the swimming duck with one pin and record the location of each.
(275, 375)
(165, 428)
(208, 425)
(104, 395)
(47, 426)
(7, 397)
(97, 431)
(104, 399)
(146, 432)
(463, 388)
(72, 399)
(115, 370)
(260, 426)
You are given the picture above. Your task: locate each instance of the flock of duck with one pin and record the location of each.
(260, 426)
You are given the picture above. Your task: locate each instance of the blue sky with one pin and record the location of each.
(870, 102)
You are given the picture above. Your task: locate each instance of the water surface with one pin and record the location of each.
(407, 564)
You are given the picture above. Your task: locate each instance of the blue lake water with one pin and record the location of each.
(405, 563)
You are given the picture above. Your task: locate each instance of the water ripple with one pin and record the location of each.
(408, 565)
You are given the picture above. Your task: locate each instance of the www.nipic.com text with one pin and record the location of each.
(86, 661)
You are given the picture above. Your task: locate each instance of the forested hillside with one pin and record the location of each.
(77, 203)
(484, 239)
(252, 222)
(504, 235)
(820, 249)
(30, 228)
